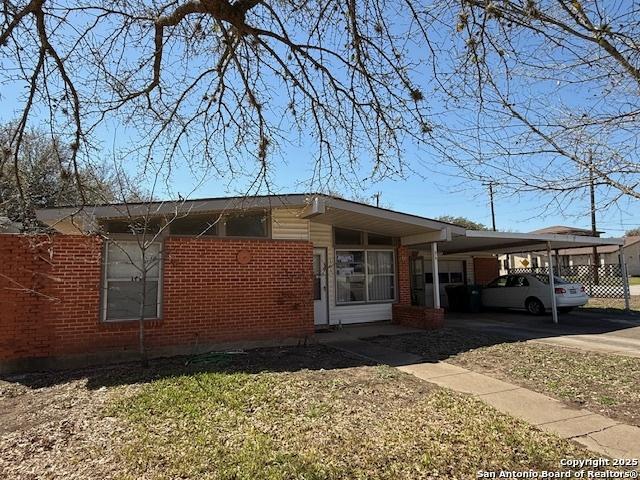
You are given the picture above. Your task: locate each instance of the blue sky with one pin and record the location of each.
(437, 192)
(432, 190)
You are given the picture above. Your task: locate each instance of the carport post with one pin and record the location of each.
(436, 276)
(625, 278)
(552, 285)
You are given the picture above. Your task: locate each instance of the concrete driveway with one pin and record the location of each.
(591, 331)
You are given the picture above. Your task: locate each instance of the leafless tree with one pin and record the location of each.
(546, 95)
(220, 84)
(517, 92)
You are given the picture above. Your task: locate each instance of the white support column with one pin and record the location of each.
(552, 285)
(436, 277)
(625, 278)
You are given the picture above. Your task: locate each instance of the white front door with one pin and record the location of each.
(320, 304)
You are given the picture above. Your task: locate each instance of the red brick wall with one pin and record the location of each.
(418, 317)
(485, 269)
(404, 279)
(208, 296)
(24, 301)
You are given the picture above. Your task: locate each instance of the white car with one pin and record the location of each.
(531, 292)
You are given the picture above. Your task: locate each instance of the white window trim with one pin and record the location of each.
(106, 280)
(367, 275)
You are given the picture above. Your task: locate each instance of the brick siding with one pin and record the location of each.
(50, 295)
(418, 317)
(485, 269)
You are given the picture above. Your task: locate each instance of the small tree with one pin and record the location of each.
(463, 222)
(43, 177)
(634, 232)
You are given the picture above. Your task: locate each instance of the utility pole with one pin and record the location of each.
(493, 212)
(594, 230)
(377, 195)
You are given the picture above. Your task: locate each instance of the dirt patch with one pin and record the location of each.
(305, 412)
(613, 305)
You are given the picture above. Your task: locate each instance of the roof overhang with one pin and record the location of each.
(314, 207)
(358, 216)
(475, 241)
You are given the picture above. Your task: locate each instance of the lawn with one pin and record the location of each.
(613, 305)
(634, 280)
(259, 415)
(609, 384)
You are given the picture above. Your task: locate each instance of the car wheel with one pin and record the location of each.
(534, 306)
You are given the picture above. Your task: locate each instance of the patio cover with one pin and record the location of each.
(475, 241)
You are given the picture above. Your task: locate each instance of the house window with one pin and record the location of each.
(123, 285)
(449, 271)
(373, 239)
(198, 225)
(344, 236)
(380, 276)
(365, 276)
(249, 224)
(135, 226)
(350, 276)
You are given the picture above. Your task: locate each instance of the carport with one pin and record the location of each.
(474, 242)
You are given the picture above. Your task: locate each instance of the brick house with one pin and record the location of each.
(221, 272)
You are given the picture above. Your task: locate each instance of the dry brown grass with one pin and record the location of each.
(261, 415)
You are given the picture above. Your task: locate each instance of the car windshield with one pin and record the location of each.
(545, 279)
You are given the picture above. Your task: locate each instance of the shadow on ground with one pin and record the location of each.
(276, 359)
(463, 332)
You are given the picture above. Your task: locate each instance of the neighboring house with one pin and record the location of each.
(608, 254)
(225, 271)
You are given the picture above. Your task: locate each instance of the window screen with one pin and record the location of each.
(123, 287)
(197, 225)
(344, 236)
(133, 226)
(373, 239)
(248, 224)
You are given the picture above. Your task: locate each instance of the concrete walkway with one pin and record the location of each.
(596, 432)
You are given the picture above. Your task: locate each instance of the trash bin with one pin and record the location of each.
(474, 298)
(456, 297)
(464, 298)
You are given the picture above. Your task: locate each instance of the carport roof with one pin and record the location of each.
(474, 241)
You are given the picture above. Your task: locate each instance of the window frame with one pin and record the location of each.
(366, 301)
(217, 226)
(104, 290)
(222, 231)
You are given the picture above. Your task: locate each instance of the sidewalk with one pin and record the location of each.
(596, 432)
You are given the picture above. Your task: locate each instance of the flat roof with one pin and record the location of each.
(480, 241)
(336, 211)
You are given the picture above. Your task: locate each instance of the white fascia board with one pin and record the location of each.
(430, 237)
(390, 215)
(545, 237)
